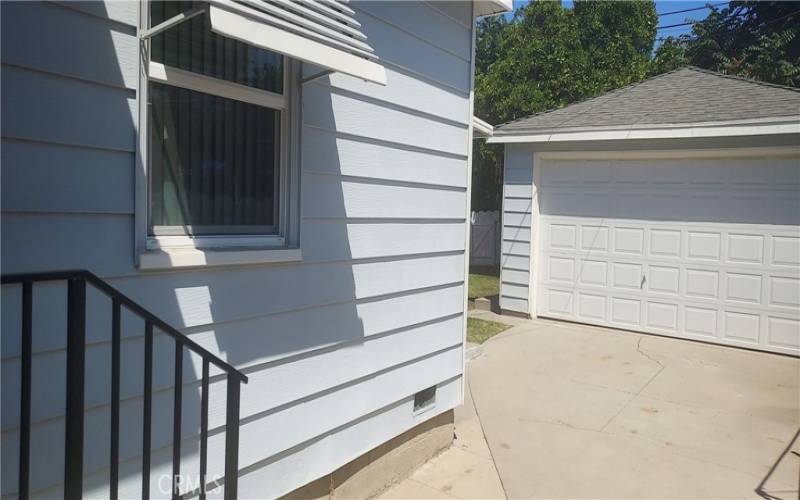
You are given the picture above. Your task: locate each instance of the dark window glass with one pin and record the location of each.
(192, 46)
(214, 164)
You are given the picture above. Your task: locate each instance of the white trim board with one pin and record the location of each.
(791, 125)
(669, 153)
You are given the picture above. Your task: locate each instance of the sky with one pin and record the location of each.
(663, 6)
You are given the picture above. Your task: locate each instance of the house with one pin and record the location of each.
(262, 203)
(671, 206)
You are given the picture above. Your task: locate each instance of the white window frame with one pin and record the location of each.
(285, 242)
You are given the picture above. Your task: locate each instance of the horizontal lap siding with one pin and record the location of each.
(44, 107)
(51, 178)
(517, 216)
(303, 337)
(348, 114)
(376, 304)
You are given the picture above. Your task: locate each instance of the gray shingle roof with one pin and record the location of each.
(683, 96)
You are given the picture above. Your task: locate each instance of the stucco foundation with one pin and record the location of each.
(374, 471)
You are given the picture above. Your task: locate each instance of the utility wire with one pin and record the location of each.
(676, 25)
(762, 24)
(691, 10)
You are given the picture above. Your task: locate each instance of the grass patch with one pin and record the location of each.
(483, 285)
(480, 330)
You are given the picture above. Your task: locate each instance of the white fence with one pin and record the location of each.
(485, 239)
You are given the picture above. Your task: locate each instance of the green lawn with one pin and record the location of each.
(483, 283)
(480, 330)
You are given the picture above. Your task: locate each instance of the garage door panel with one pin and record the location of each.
(700, 321)
(784, 292)
(745, 248)
(662, 316)
(665, 243)
(561, 269)
(558, 302)
(702, 245)
(591, 306)
(627, 275)
(562, 236)
(594, 238)
(743, 288)
(689, 248)
(629, 240)
(626, 312)
(786, 251)
(593, 273)
(783, 332)
(741, 326)
(702, 284)
(664, 279)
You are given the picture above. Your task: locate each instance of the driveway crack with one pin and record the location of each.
(656, 374)
(640, 351)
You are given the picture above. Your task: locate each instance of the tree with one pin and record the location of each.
(759, 40)
(671, 54)
(549, 56)
(617, 38)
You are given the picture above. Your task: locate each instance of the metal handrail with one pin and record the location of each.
(76, 352)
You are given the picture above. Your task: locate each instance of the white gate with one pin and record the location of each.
(485, 239)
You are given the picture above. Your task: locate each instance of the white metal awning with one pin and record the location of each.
(321, 32)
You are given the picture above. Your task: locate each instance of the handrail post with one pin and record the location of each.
(76, 358)
(232, 439)
(25, 391)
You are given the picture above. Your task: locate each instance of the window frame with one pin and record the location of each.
(287, 193)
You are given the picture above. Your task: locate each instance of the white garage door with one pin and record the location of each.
(698, 248)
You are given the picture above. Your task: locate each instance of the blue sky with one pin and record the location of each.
(662, 7)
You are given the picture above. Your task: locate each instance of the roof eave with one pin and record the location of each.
(785, 125)
(492, 7)
(481, 129)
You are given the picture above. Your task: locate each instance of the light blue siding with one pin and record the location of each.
(335, 346)
(515, 261)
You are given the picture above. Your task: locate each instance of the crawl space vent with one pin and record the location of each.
(424, 398)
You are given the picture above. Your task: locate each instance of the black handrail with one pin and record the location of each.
(74, 415)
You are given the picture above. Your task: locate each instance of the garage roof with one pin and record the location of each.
(686, 98)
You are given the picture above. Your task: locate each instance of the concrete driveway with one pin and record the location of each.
(573, 411)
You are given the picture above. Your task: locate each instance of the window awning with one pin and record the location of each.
(320, 32)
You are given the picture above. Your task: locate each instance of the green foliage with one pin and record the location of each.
(759, 40)
(617, 38)
(549, 56)
(669, 56)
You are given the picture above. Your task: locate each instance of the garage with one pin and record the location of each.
(683, 229)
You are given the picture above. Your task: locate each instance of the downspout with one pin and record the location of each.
(468, 204)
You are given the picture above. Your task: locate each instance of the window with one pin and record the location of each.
(216, 146)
